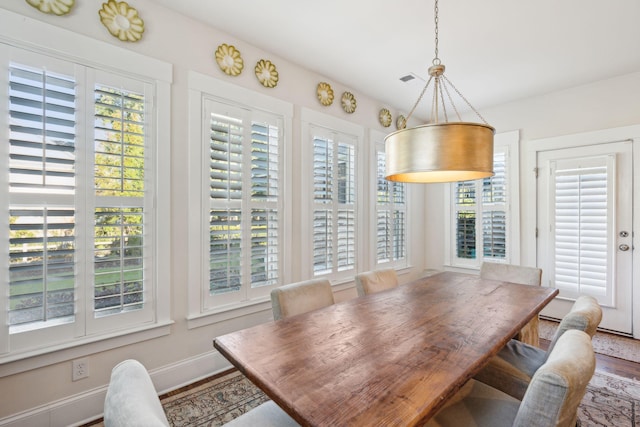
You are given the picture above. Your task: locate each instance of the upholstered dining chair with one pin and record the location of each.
(131, 398)
(524, 276)
(301, 297)
(375, 281)
(551, 399)
(513, 367)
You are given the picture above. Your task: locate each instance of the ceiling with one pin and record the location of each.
(495, 51)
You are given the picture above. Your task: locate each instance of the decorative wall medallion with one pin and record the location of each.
(401, 122)
(122, 20)
(385, 117)
(348, 102)
(266, 73)
(229, 59)
(56, 7)
(325, 93)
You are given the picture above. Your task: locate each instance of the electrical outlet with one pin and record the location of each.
(79, 369)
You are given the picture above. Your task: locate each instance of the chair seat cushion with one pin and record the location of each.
(477, 405)
(266, 415)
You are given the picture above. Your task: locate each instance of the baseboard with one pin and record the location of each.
(87, 406)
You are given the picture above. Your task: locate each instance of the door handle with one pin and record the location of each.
(623, 247)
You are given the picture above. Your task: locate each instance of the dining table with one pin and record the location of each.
(392, 358)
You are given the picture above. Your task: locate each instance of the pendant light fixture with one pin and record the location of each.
(440, 151)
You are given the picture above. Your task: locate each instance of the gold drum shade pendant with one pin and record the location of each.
(440, 152)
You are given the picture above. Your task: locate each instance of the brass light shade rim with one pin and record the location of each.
(446, 124)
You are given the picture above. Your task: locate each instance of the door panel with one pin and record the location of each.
(584, 229)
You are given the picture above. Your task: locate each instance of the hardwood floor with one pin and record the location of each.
(609, 364)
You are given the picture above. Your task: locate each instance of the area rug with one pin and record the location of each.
(603, 343)
(610, 401)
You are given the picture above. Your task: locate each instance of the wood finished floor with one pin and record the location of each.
(611, 365)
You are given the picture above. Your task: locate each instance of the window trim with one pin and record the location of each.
(510, 140)
(377, 139)
(28, 34)
(203, 87)
(309, 119)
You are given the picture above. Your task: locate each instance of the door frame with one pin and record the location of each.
(529, 201)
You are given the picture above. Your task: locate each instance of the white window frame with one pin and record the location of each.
(377, 144)
(27, 34)
(509, 143)
(204, 309)
(310, 120)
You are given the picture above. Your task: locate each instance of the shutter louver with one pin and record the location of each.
(264, 244)
(383, 236)
(346, 239)
(322, 242)
(322, 169)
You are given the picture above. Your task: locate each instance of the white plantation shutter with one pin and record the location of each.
(581, 225)
(245, 151)
(42, 121)
(390, 213)
(334, 198)
(481, 215)
(80, 200)
(120, 214)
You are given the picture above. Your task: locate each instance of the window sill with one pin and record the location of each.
(228, 312)
(22, 362)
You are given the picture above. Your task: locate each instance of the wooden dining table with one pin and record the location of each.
(387, 359)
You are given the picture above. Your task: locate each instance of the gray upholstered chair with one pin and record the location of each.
(551, 399)
(132, 399)
(376, 281)
(512, 368)
(524, 276)
(301, 297)
(267, 414)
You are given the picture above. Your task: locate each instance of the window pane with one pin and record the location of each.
(264, 247)
(224, 251)
(322, 169)
(41, 267)
(41, 131)
(346, 239)
(226, 157)
(118, 260)
(466, 234)
(264, 162)
(346, 173)
(322, 241)
(494, 229)
(119, 142)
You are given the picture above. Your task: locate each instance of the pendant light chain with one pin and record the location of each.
(436, 60)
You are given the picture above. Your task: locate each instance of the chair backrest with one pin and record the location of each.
(511, 273)
(558, 386)
(301, 297)
(376, 281)
(132, 399)
(585, 315)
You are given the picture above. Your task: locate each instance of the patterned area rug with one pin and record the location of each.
(603, 343)
(212, 402)
(610, 401)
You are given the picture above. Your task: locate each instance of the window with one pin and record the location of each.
(333, 194)
(241, 186)
(391, 214)
(81, 232)
(481, 211)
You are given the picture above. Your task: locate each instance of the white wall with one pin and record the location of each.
(46, 395)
